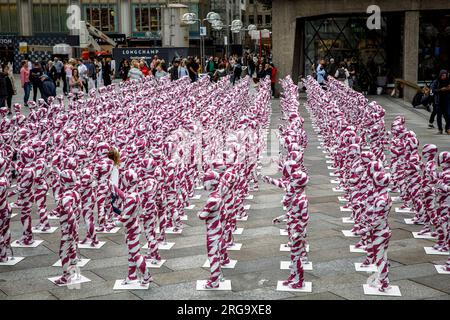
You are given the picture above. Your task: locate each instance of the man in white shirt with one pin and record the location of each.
(82, 72)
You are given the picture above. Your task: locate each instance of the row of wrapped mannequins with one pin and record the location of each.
(353, 135)
(133, 153)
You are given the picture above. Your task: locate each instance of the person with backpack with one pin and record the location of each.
(237, 70)
(220, 73)
(342, 73)
(35, 75)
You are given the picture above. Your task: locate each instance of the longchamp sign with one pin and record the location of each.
(148, 53)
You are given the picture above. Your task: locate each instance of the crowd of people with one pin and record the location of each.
(75, 75)
(215, 67)
(344, 71)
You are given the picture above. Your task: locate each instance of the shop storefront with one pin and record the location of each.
(375, 55)
(7, 45)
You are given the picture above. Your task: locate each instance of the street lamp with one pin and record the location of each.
(191, 18)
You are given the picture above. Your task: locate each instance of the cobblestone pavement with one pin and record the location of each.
(258, 268)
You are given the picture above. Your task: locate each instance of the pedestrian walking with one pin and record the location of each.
(25, 82)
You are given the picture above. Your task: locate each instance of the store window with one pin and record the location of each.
(8, 16)
(251, 19)
(260, 19)
(147, 18)
(194, 30)
(434, 44)
(49, 16)
(101, 14)
(347, 39)
(268, 19)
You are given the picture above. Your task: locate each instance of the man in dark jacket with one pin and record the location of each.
(48, 87)
(3, 89)
(35, 79)
(440, 89)
(106, 72)
(174, 70)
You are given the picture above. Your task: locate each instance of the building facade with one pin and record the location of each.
(412, 43)
(44, 23)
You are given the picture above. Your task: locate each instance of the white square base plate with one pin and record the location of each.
(349, 233)
(338, 190)
(343, 209)
(13, 215)
(371, 291)
(231, 265)
(80, 263)
(161, 246)
(184, 218)
(166, 246)
(407, 210)
(88, 245)
(235, 247)
(82, 279)
(356, 250)
(283, 232)
(199, 188)
(15, 244)
(51, 230)
(52, 217)
(192, 206)
(307, 287)
(112, 231)
(223, 286)
(423, 236)
(328, 157)
(247, 207)
(133, 285)
(238, 231)
(440, 268)
(342, 199)
(396, 199)
(430, 250)
(409, 221)
(242, 219)
(369, 268)
(170, 231)
(330, 167)
(196, 197)
(348, 220)
(284, 265)
(332, 174)
(155, 265)
(334, 181)
(12, 261)
(249, 197)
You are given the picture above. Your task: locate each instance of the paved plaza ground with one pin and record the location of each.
(258, 268)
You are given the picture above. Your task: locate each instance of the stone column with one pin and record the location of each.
(411, 51)
(283, 36)
(125, 17)
(25, 17)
